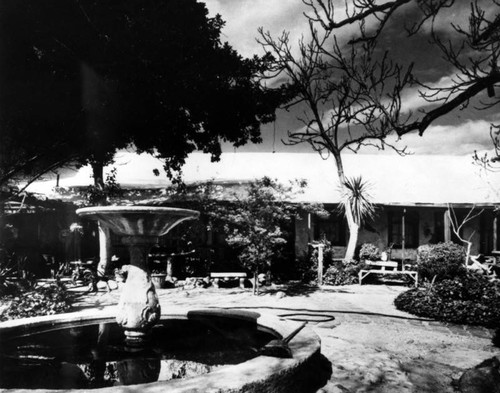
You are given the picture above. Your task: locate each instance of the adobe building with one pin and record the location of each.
(412, 194)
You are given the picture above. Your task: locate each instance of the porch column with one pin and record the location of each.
(447, 224)
(319, 247)
(495, 232)
(104, 249)
(403, 240)
(310, 236)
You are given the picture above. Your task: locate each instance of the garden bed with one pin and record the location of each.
(471, 299)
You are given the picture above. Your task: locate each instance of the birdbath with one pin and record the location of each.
(140, 226)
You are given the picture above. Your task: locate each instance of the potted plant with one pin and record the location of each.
(158, 277)
(121, 275)
(369, 252)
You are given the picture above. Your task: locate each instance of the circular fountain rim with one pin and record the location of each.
(136, 209)
(251, 375)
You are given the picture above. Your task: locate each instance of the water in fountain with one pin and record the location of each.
(85, 356)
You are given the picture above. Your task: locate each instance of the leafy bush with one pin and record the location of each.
(442, 260)
(35, 302)
(342, 273)
(307, 268)
(7, 268)
(470, 299)
(369, 251)
(474, 287)
(335, 271)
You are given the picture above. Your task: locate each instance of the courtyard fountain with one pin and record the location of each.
(178, 350)
(140, 228)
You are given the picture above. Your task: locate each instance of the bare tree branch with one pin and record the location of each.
(457, 226)
(351, 96)
(447, 107)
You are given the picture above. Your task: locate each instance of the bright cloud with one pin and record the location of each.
(412, 100)
(244, 17)
(459, 139)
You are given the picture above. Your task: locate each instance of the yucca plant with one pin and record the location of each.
(357, 207)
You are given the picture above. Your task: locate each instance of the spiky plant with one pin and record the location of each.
(356, 197)
(357, 207)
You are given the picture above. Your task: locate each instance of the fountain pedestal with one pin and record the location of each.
(139, 308)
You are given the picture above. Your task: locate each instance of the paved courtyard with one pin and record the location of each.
(368, 345)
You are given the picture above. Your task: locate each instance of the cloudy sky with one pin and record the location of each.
(459, 133)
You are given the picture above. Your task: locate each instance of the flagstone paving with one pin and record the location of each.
(368, 345)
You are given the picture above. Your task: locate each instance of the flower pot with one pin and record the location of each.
(158, 280)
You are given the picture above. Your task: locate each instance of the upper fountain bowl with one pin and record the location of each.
(148, 221)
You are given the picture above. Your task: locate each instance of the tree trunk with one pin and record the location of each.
(353, 236)
(467, 253)
(256, 282)
(351, 224)
(353, 241)
(98, 175)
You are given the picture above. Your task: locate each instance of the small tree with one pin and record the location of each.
(349, 97)
(256, 224)
(350, 92)
(457, 226)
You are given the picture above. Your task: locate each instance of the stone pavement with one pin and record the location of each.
(368, 344)
(327, 307)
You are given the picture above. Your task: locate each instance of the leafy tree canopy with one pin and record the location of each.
(83, 78)
(257, 224)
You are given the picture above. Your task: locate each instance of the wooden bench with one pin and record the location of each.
(383, 265)
(386, 267)
(227, 276)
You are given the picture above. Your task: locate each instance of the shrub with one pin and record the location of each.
(474, 287)
(342, 273)
(335, 272)
(442, 260)
(35, 302)
(7, 269)
(419, 301)
(369, 251)
(469, 299)
(307, 268)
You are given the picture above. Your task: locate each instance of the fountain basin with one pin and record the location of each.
(147, 221)
(260, 373)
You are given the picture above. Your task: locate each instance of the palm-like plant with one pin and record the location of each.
(357, 207)
(356, 197)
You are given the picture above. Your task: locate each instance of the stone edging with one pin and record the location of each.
(262, 373)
